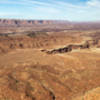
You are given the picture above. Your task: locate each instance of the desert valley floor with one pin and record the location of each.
(54, 65)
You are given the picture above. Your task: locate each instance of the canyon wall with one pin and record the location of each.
(8, 22)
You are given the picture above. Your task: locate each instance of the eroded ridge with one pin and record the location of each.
(88, 44)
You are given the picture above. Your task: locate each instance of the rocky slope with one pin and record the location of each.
(71, 70)
(38, 40)
(87, 45)
(29, 74)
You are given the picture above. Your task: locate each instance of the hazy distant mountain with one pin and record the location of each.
(55, 24)
(4, 22)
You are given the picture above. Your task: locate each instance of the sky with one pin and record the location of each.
(72, 10)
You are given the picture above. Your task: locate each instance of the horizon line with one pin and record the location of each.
(23, 19)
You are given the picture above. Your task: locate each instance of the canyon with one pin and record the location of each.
(49, 60)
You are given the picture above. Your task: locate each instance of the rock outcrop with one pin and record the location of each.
(88, 44)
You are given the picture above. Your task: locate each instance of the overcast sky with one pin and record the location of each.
(72, 10)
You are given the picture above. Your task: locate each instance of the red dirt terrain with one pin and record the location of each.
(61, 64)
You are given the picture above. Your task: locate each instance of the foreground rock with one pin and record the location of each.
(33, 75)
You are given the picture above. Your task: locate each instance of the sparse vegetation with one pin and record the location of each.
(34, 34)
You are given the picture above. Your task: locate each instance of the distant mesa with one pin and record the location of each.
(8, 22)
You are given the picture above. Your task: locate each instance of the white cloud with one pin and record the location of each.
(9, 14)
(47, 10)
(24, 2)
(93, 3)
(35, 2)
